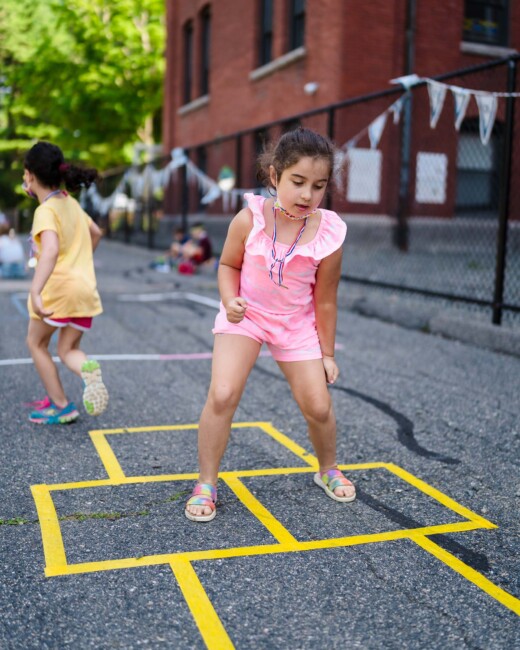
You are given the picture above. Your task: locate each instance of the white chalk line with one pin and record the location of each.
(144, 297)
(195, 356)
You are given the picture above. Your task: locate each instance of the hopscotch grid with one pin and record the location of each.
(209, 624)
(51, 532)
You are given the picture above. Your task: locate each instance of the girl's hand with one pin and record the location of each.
(236, 309)
(37, 305)
(331, 369)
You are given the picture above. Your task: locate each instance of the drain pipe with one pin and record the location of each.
(401, 235)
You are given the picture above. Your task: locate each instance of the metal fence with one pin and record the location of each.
(430, 211)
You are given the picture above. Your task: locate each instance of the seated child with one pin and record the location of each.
(12, 256)
(196, 251)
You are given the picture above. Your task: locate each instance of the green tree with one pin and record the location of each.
(86, 74)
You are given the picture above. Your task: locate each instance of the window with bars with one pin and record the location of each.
(296, 24)
(265, 52)
(486, 21)
(205, 35)
(188, 61)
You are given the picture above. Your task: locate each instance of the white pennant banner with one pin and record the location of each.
(461, 99)
(375, 130)
(437, 93)
(396, 110)
(487, 109)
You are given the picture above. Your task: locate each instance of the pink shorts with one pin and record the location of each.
(300, 345)
(83, 324)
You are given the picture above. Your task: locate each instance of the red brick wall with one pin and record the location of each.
(352, 48)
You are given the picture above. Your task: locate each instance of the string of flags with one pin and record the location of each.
(375, 129)
(150, 180)
(487, 104)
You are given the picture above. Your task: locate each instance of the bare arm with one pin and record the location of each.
(231, 264)
(95, 234)
(326, 306)
(50, 248)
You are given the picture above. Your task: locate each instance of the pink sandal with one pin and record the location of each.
(332, 479)
(204, 494)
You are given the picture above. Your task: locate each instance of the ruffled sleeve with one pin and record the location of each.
(330, 236)
(255, 244)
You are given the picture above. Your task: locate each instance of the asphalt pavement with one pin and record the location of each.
(95, 549)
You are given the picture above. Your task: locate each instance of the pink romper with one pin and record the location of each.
(284, 319)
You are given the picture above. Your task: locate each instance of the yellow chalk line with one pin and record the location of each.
(503, 597)
(202, 610)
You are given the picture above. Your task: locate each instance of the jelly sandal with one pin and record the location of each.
(332, 479)
(204, 494)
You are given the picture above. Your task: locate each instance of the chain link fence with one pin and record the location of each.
(430, 211)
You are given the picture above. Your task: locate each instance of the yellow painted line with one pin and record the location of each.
(356, 466)
(439, 496)
(167, 427)
(279, 532)
(173, 427)
(206, 618)
(267, 549)
(289, 444)
(158, 478)
(107, 456)
(53, 549)
(503, 597)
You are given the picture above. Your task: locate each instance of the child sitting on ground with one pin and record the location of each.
(12, 256)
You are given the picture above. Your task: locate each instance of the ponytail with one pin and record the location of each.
(75, 178)
(46, 162)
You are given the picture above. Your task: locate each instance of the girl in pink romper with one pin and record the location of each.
(278, 278)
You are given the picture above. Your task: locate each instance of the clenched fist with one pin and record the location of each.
(236, 309)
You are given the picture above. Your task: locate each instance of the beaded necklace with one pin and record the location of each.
(290, 216)
(53, 193)
(281, 260)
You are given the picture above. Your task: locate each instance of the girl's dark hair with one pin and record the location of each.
(292, 146)
(46, 162)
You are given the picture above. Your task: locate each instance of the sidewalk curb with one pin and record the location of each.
(429, 319)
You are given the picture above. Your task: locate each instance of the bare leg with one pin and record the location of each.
(233, 358)
(68, 349)
(309, 387)
(38, 338)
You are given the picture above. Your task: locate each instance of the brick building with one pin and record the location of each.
(237, 65)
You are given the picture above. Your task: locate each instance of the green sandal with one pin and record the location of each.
(204, 494)
(332, 479)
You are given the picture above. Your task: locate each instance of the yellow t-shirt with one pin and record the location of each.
(71, 289)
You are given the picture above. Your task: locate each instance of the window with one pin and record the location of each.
(296, 24)
(205, 33)
(478, 166)
(266, 32)
(188, 61)
(485, 21)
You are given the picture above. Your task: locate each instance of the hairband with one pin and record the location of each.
(64, 167)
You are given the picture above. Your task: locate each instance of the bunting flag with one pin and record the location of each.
(461, 98)
(487, 109)
(375, 130)
(437, 93)
(396, 109)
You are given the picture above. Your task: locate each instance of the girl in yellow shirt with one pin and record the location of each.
(63, 292)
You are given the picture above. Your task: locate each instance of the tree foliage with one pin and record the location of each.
(85, 74)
